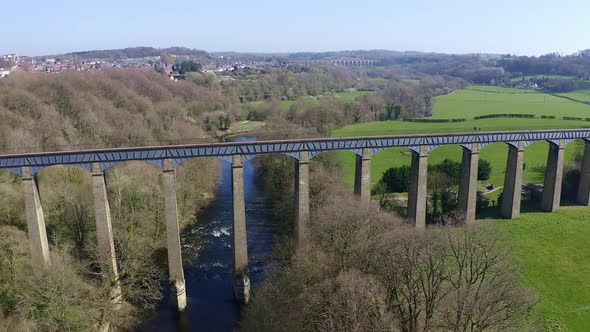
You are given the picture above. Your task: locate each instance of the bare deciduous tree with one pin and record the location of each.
(442, 278)
(79, 221)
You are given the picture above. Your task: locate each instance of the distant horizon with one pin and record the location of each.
(283, 52)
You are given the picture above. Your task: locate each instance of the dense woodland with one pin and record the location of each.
(136, 52)
(79, 110)
(97, 108)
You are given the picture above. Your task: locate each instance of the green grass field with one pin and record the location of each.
(554, 259)
(475, 101)
(286, 104)
(411, 80)
(349, 97)
(245, 126)
(346, 97)
(581, 95)
(378, 80)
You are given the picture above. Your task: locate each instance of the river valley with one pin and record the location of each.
(211, 305)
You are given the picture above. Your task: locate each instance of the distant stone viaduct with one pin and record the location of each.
(302, 150)
(345, 62)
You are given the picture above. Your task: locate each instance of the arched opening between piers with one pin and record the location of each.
(68, 206)
(418, 183)
(575, 184)
(530, 174)
(12, 205)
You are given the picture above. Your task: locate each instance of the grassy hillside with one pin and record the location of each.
(404, 127)
(555, 260)
(481, 100)
(470, 103)
(581, 95)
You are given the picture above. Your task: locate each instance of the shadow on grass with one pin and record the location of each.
(493, 212)
(528, 206)
(568, 202)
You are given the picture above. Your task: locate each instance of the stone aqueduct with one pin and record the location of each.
(345, 62)
(302, 150)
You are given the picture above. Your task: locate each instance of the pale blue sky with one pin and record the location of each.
(532, 27)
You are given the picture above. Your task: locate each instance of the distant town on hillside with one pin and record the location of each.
(562, 73)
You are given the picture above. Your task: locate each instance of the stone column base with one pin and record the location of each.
(178, 291)
(242, 288)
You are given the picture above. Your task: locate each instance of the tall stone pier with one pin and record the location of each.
(362, 176)
(583, 195)
(175, 270)
(467, 196)
(417, 187)
(510, 207)
(35, 222)
(240, 247)
(104, 231)
(301, 198)
(553, 177)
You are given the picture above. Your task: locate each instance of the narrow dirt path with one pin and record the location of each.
(491, 191)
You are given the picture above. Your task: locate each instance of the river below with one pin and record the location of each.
(211, 305)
